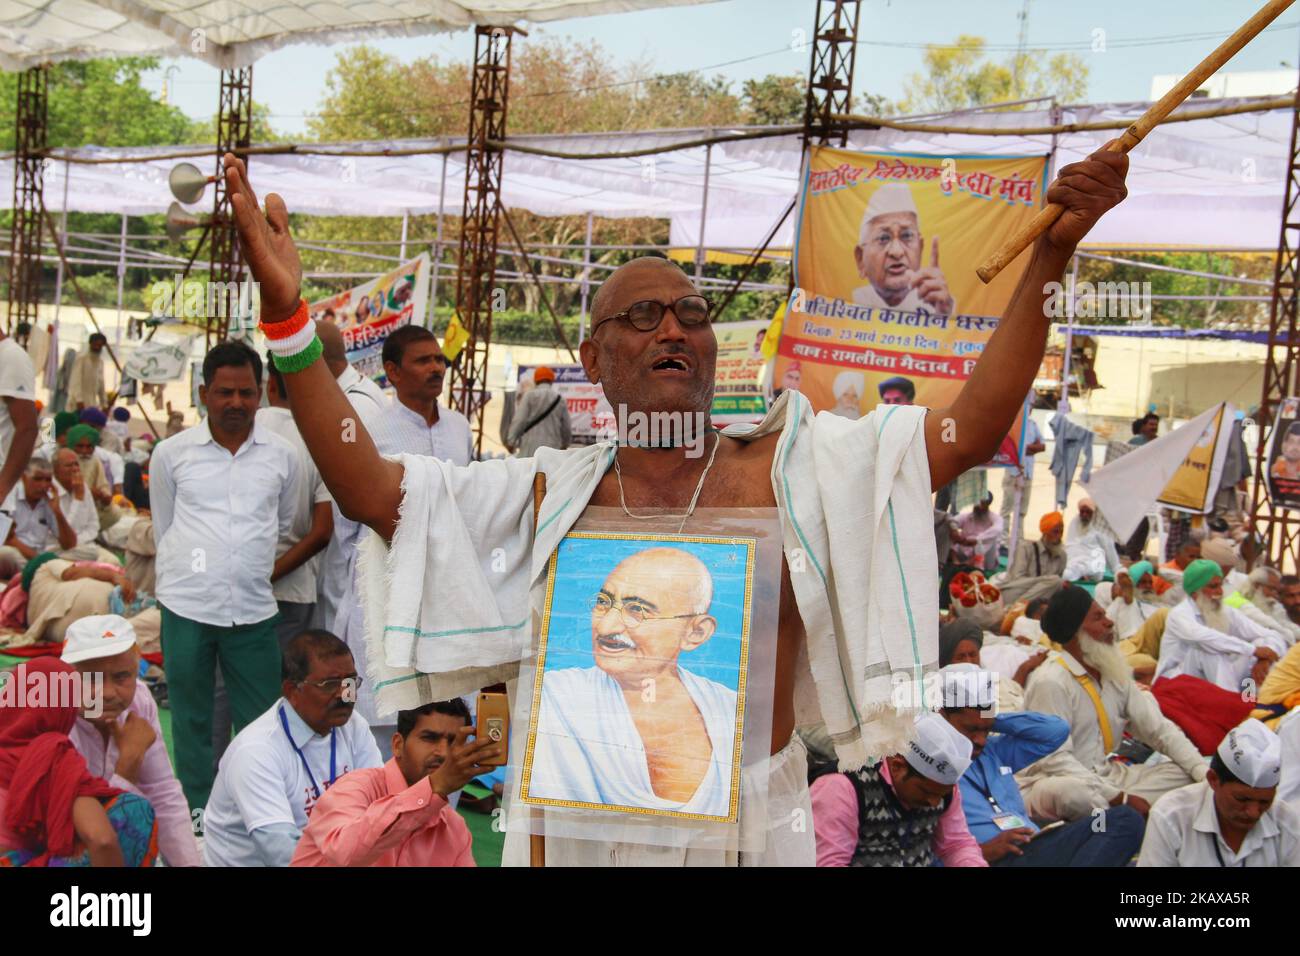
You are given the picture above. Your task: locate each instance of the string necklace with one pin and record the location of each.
(690, 510)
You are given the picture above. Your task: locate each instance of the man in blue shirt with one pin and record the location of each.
(995, 811)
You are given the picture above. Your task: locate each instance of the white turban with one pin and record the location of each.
(849, 380)
(888, 198)
(939, 751)
(1253, 754)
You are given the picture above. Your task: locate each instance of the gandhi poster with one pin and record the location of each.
(639, 696)
(887, 308)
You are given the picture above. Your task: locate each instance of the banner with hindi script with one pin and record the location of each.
(367, 314)
(738, 375)
(1282, 460)
(887, 307)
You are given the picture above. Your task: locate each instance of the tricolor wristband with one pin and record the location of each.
(293, 341)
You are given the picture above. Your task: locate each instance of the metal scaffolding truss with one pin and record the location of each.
(830, 74)
(1279, 527)
(477, 255)
(30, 141)
(234, 135)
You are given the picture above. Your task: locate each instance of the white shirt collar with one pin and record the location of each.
(204, 434)
(1207, 821)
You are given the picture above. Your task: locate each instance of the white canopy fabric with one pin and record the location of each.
(233, 33)
(1213, 183)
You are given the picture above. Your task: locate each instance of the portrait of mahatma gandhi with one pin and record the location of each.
(637, 727)
(888, 255)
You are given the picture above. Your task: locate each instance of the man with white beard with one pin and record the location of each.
(1206, 639)
(1089, 546)
(1090, 686)
(1130, 608)
(1257, 599)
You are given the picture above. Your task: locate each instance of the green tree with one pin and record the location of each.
(773, 100)
(961, 76)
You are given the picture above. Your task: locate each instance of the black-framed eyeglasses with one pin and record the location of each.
(333, 685)
(645, 316)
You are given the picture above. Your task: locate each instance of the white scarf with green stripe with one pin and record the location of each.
(448, 603)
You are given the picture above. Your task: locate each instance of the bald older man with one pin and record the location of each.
(465, 574)
(638, 728)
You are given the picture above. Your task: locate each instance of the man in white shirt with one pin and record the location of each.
(368, 401)
(78, 507)
(1090, 686)
(1090, 547)
(38, 522)
(1232, 818)
(1207, 639)
(223, 495)
(280, 764)
(1288, 731)
(416, 424)
(297, 562)
(1020, 478)
(18, 431)
(122, 739)
(86, 384)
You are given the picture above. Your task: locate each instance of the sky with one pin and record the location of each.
(1124, 44)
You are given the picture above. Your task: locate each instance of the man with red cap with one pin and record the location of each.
(541, 418)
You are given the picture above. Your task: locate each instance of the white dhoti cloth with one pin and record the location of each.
(589, 750)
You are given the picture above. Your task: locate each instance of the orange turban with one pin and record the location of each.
(543, 374)
(1049, 521)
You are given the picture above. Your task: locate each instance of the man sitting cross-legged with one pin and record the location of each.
(1090, 685)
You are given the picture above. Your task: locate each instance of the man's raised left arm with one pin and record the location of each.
(968, 432)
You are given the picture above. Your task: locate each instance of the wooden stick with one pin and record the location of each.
(1135, 133)
(537, 841)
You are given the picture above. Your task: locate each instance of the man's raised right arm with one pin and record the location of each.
(366, 486)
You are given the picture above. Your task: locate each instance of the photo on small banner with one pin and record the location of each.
(1196, 482)
(738, 374)
(887, 308)
(368, 313)
(1283, 456)
(643, 657)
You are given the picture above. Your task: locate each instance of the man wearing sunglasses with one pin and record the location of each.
(278, 766)
(459, 588)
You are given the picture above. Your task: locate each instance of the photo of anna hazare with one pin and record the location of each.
(638, 705)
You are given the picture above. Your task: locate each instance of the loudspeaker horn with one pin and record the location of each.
(187, 182)
(179, 222)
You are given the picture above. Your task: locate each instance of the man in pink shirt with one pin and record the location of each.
(905, 811)
(397, 814)
(120, 736)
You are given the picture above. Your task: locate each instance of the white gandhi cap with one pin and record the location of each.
(939, 751)
(1253, 754)
(968, 685)
(103, 635)
(888, 198)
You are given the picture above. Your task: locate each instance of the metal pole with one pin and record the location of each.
(406, 222)
(704, 211)
(437, 242)
(63, 241)
(586, 282)
(1064, 403)
(121, 280)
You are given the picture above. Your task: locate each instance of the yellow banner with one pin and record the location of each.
(887, 307)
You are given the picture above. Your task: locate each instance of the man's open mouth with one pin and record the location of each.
(614, 643)
(672, 363)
